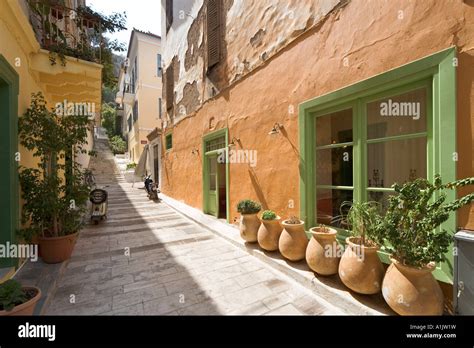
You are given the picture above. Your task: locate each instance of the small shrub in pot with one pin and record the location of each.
(249, 222)
(293, 240)
(360, 268)
(17, 300)
(413, 238)
(270, 230)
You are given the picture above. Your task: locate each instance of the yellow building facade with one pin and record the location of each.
(140, 86)
(25, 68)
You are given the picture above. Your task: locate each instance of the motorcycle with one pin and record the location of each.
(99, 199)
(151, 188)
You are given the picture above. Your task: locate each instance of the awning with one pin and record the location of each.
(143, 166)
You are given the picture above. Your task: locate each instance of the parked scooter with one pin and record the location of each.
(151, 188)
(99, 200)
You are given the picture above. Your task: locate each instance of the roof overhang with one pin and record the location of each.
(79, 81)
(155, 133)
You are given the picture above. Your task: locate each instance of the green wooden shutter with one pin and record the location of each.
(213, 32)
(169, 87)
(169, 14)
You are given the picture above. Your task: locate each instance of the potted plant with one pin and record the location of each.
(270, 230)
(416, 243)
(17, 300)
(323, 251)
(360, 268)
(293, 240)
(249, 222)
(55, 193)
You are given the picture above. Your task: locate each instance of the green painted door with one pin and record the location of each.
(8, 147)
(213, 186)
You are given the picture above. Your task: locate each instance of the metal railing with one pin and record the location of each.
(69, 31)
(129, 88)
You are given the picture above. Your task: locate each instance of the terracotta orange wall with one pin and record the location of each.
(373, 39)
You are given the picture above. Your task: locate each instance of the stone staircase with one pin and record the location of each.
(100, 165)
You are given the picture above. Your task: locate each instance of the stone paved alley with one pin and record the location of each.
(175, 266)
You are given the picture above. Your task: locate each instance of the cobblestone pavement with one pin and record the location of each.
(148, 259)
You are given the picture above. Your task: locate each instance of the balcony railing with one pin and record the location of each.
(67, 31)
(129, 93)
(129, 88)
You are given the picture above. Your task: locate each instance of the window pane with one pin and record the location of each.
(215, 144)
(328, 206)
(212, 182)
(212, 173)
(334, 166)
(396, 161)
(402, 114)
(334, 128)
(381, 197)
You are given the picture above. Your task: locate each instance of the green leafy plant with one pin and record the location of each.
(293, 220)
(88, 29)
(247, 206)
(117, 144)
(363, 219)
(269, 215)
(55, 193)
(414, 213)
(131, 166)
(11, 295)
(109, 115)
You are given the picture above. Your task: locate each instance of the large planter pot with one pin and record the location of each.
(293, 241)
(26, 308)
(269, 234)
(360, 268)
(57, 249)
(249, 224)
(323, 251)
(412, 291)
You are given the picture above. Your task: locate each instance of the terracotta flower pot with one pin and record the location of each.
(412, 291)
(323, 251)
(360, 268)
(57, 249)
(293, 241)
(249, 224)
(26, 308)
(269, 234)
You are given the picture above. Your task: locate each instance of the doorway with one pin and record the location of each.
(9, 83)
(156, 164)
(216, 175)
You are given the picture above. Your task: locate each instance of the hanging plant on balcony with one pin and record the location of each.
(83, 36)
(54, 193)
(413, 238)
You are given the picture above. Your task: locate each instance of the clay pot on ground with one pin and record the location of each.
(360, 268)
(27, 308)
(269, 233)
(412, 291)
(249, 225)
(293, 241)
(57, 249)
(323, 251)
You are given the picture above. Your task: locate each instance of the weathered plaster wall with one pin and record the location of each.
(370, 37)
(248, 41)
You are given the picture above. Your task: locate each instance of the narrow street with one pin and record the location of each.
(147, 258)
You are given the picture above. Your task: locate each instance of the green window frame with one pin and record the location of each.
(437, 73)
(169, 141)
